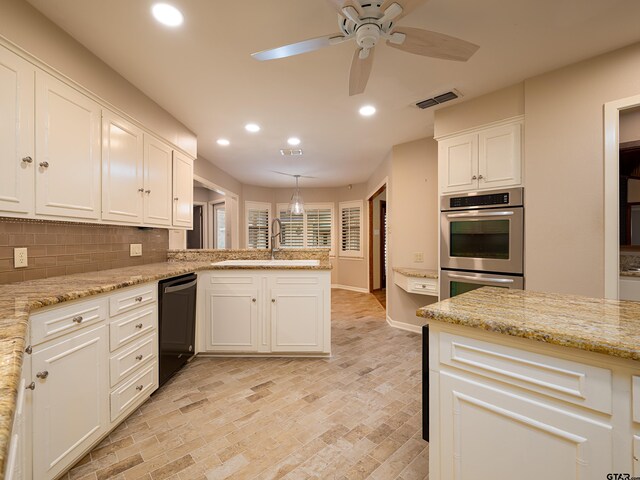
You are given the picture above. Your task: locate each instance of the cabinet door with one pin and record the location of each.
(297, 319)
(499, 157)
(458, 163)
(534, 439)
(157, 182)
(70, 404)
(16, 133)
(182, 191)
(19, 455)
(68, 151)
(122, 175)
(232, 319)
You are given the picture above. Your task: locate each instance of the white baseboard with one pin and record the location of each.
(409, 327)
(347, 287)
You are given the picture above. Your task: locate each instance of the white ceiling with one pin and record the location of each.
(203, 74)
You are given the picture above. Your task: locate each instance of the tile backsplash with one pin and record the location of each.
(60, 248)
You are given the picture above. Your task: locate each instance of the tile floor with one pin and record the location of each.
(356, 415)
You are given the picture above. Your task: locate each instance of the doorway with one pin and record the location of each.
(378, 251)
(195, 237)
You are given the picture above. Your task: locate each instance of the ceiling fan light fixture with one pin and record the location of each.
(252, 127)
(367, 110)
(167, 14)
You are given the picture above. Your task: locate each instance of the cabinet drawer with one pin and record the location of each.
(573, 382)
(61, 320)
(131, 359)
(423, 285)
(129, 327)
(635, 397)
(129, 394)
(132, 298)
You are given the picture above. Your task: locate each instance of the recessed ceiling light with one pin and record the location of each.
(367, 110)
(293, 141)
(252, 127)
(167, 14)
(223, 142)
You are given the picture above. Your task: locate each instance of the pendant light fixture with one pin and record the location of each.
(296, 206)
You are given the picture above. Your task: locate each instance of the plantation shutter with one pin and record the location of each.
(350, 229)
(257, 227)
(319, 227)
(292, 230)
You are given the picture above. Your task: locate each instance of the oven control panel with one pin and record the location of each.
(511, 197)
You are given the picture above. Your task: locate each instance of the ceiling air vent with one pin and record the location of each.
(437, 100)
(290, 152)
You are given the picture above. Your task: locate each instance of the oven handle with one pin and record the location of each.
(489, 280)
(177, 288)
(480, 214)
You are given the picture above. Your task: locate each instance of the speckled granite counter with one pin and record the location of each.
(630, 273)
(18, 299)
(416, 272)
(610, 327)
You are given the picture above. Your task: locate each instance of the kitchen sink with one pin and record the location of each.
(268, 263)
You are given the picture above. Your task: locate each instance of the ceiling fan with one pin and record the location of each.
(367, 21)
(291, 175)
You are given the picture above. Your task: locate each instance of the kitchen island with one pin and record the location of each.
(530, 385)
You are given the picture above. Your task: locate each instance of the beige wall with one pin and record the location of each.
(207, 170)
(629, 125)
(413, 221)
(23, 25)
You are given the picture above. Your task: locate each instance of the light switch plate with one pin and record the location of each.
(418, 257)
(135, 250)
(20, 258)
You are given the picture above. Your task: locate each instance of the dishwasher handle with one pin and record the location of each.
(178, 288)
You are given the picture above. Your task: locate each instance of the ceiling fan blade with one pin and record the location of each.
(360, 71)
(433, 44)
(340, 4)
(291, 175)
(300, 47)
(408, 6)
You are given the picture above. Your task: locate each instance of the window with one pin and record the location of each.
(257, 216)
(351, 229)
(313, 229)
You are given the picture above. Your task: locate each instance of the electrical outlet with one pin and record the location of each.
(418, 257)
(20, 258)
(135, 250)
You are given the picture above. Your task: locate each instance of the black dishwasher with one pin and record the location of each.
(177, 323)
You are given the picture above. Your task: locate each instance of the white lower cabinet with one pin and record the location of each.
(505, 408)
(84, 372)
(265, 312)
(70, 409)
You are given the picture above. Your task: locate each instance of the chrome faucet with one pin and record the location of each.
(277, 235)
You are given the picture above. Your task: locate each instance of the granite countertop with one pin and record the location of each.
(18, 299)
(611, 327)
(416, 272)
(630, 273)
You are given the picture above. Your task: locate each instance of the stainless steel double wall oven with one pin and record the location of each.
(482, 241)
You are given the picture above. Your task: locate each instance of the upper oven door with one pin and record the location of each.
(483, 240)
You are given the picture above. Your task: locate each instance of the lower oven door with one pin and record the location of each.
(490, 240)
(455, 283)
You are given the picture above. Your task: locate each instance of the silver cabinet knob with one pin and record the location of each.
(77, 319)
(139, 357)
(42, 375)
(253, 300)
(31, 386)
(139, 325)
(139, 387)
(141, 190)
(44, 164)
(175, 199)
(28, 349)
(147, 192)
(480, 177)
(474, 178)
(27, 160)
(273, 300)
(138, 299)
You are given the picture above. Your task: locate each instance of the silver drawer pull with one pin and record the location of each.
(138, 299)
(28, 349)
(139, 357)
(139, 325)
(77, 319)
(27, 160)
(42, 375)
(31, 386)
(139, 387)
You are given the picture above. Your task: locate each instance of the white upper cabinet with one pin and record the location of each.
(68, 151)
(157, 182)
(16, 134)
(122, 170)
(182, 190)
(483, 159)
